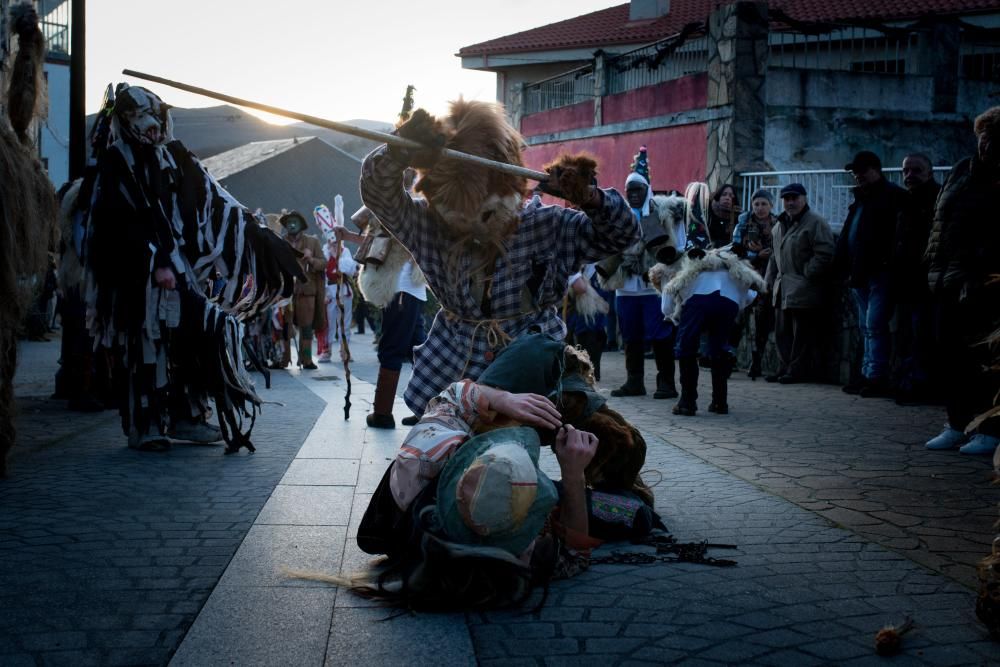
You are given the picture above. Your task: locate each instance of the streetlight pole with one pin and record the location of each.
(77, 89)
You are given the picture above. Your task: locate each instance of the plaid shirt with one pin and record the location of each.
(550, 244)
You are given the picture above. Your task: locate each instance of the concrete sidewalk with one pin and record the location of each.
(785, 477)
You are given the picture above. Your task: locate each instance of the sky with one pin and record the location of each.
(328, 58)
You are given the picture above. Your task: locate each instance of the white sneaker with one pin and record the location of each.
(324, 358)
(949, 438)
(196, 432)
(980, 444)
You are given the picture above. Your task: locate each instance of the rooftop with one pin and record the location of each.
(611, 26)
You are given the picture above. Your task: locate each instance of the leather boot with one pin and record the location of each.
(385, 396)
(688, 403)
(754, 371)
(633, 367)
(305, 354)
(663, 352)
(721, 369)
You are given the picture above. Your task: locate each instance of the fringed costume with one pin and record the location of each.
(498, 267)
(28, 210)
(159, 225)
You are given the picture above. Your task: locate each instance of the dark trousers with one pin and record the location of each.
(968, 390)
(401, 330)
(709, 314)
(795, 331)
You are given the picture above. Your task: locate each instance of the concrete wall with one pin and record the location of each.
(54, 133)
(831, 89)
(819, 138)
(676, 155)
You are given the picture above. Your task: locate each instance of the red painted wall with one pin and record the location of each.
(572, 117)
(690, 92)
(676, 155)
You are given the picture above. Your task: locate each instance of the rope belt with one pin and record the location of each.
(496, 337)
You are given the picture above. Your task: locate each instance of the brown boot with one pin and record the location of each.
(305, 354)
(385, 396)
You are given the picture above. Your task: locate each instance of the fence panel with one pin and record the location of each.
(830, 190)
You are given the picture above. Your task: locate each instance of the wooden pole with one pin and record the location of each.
(344, 128)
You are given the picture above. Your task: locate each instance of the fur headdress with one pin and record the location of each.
(473, 201)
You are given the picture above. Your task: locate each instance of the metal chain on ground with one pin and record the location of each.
(668, 550)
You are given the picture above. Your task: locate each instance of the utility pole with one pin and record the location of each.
(77, 89)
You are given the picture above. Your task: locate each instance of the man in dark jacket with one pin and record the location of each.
(908, 279)
(963, 258)
(864, 250)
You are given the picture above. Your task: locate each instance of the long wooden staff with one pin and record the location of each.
(344, 128)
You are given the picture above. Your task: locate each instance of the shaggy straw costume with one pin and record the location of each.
(156, 208)
(497, 267)
(28, 210)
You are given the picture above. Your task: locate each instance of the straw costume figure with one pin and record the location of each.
(28, 209)
(497, 266)
(159, 226)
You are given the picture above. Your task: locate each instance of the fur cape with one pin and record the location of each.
(474, 202)
(671, 212)
(718, 260)
(378, 283)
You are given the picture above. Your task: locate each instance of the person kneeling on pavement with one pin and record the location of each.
(464, 513)
(704, 295)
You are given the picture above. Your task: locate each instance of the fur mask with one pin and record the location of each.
(472, 201)
(141, 117)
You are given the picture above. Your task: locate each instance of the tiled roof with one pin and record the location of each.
(611, 26)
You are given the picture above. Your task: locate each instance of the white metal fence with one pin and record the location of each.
(830, 190)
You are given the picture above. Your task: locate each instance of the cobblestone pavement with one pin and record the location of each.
(108, 554)
(859, 462)
(783, 477)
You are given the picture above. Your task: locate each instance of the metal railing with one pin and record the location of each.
(980, 61)
(623, 72)
(54, 20)
(848, 49)
(635, 69)
(830, 190)
(560, 91)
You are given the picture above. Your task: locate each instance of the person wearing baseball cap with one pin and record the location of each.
(796, 278)
(863, 256)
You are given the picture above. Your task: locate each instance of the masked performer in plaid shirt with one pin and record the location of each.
(497, 267)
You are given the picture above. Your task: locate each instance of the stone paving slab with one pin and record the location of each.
(326, 488)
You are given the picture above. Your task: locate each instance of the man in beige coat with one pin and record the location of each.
(309, 303)
(796, 277)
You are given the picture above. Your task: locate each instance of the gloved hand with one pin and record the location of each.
(424, 129)
(573, 178)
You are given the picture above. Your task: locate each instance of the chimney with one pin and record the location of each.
(646, 10)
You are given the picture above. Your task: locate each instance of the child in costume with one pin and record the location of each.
(704, 296)
(497, 267)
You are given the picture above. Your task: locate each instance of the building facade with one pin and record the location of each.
(717, 90)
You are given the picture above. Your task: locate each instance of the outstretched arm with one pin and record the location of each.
(382, 191)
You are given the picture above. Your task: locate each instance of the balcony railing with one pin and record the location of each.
(639, 68)
(560, 91)
(848, 49)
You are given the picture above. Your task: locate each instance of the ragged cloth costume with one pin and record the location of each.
(154, 212)
(481, 311)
